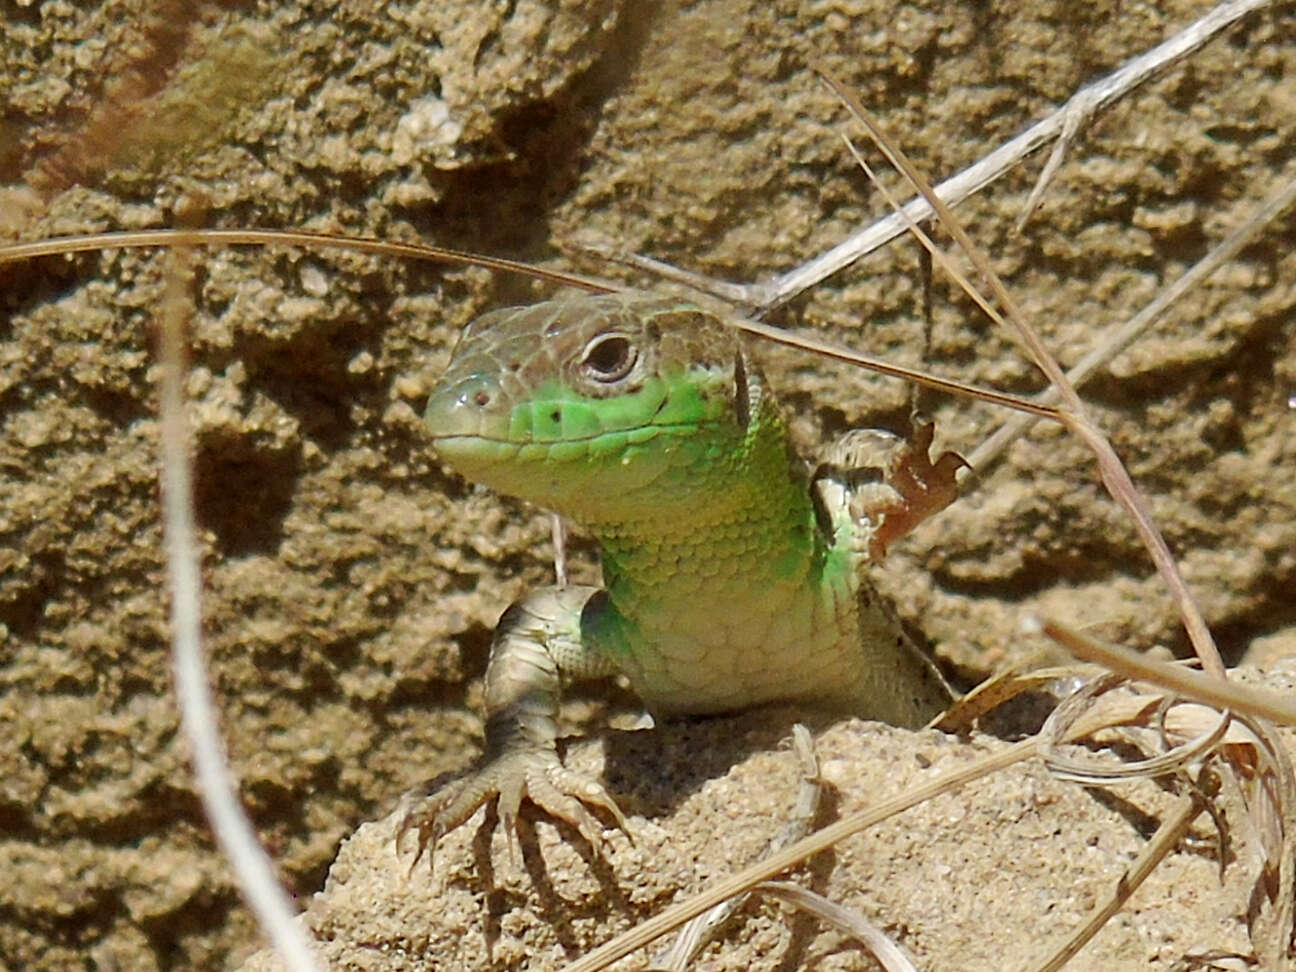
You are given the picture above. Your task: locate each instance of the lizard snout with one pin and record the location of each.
(461, 407)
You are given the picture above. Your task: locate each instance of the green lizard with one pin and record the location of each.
(733, 571)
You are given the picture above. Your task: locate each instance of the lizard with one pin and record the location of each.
(735, 573)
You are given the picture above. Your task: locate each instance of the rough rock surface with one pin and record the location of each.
(351, 581)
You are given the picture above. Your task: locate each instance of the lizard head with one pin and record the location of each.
(587, 404)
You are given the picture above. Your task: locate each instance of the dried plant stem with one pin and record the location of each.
(678, 914)
(1185, 681)
(93, 242)
(1094, 97)
(1125, 335)
(1114, 476)
(233, 830)
(827, 349)
(1168, 835)
(134, 239)
(889, 955)
(699, 932)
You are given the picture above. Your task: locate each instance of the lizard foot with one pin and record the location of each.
(536, 774)
(892, 483)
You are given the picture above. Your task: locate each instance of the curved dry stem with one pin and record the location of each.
(136, 239)
(1094, 772)
(889, 955)
(234, 832)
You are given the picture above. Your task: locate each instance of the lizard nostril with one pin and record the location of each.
(482, 398)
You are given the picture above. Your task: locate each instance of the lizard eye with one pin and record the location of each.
(609, 357)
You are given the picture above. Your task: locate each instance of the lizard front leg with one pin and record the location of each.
(537, 643)
(872, 487)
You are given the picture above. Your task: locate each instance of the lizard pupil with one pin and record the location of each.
(609, 357)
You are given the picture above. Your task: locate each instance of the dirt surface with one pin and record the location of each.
(351, 581)
(990, 877)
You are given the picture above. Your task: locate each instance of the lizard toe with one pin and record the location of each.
(432, 816)
(580, 790)
(562, 794)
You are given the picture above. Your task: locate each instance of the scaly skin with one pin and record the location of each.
(732, 576)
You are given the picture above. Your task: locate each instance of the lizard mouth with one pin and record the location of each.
(452, 445)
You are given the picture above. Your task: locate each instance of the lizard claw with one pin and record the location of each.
(889, 482)
(924, 487)
(535, 774)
